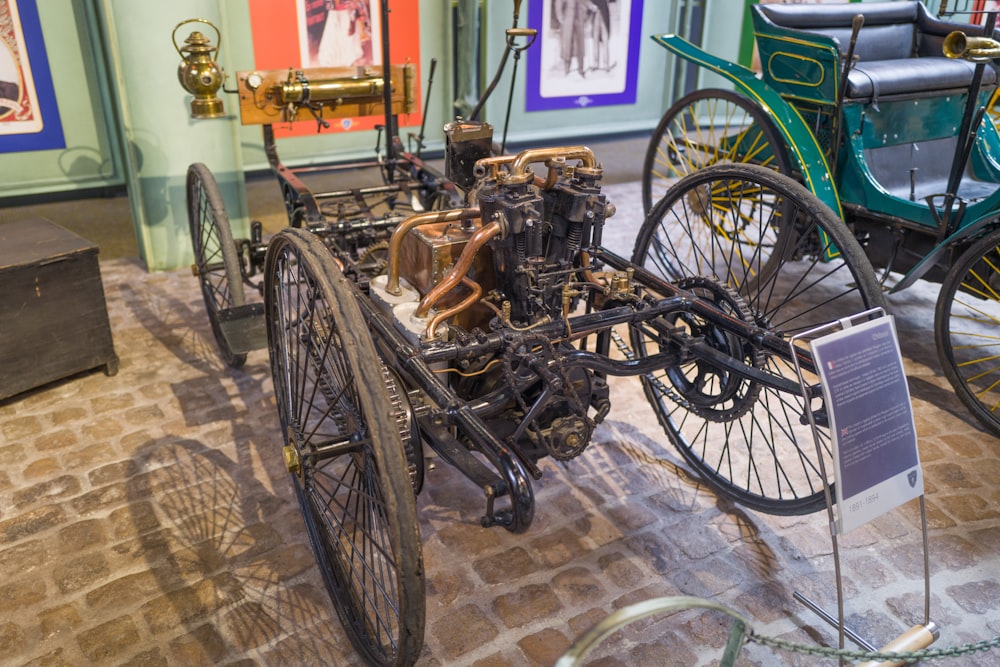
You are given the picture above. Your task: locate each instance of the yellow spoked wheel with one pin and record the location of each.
(967, 329)
(704, 128)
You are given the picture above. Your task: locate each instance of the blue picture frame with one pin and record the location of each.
(49, 135)
(576, 75)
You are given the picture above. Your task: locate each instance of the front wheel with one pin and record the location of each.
(763, 250)
(342, 446)
(967, 329)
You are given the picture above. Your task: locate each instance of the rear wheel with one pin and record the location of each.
(216, 259)
(342, 444)
(704, 128)
(767, 252)
(967, 329)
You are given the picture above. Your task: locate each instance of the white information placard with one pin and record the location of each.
(876, 463)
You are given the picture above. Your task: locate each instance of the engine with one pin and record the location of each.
(511, 263)
(544, 223)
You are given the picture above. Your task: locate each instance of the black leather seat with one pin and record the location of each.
(898, 49)
(869, 80)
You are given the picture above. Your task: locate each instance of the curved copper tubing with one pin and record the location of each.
(477, 291)
(491, 164)
(585, 270)
(396, 240)
(461, 267)
(519, 168)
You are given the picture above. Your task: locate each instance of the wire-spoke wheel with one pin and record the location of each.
(342, 445)
(217, 263)
(765, 251)
(967, 329)
(704, 128)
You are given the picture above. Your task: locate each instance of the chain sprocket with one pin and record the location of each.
(701, 387)
(406, 424)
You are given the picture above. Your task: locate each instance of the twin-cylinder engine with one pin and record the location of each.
(512, 261)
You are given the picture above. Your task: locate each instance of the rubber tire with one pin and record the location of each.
(358, 504)
(216, 258)
(765, 458)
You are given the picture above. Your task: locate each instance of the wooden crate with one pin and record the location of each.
(53, 317)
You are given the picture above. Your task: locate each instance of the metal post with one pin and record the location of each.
(467, 58)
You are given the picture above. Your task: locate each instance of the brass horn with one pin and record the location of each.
(977, 49)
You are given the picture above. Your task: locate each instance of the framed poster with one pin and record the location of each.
(334, 33)
(587, 53)
(29, 115)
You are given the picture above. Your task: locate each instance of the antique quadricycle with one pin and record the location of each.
(478, 314)
(879, 110)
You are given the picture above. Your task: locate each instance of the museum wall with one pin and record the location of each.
(92, 154)
(126, 121)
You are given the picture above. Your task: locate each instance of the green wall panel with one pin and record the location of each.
(161, 140)
(92, 156)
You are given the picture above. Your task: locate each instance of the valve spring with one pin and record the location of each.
(573, 238)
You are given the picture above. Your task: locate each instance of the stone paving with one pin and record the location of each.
(147, 520)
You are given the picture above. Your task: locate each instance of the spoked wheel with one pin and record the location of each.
(765, 251)
(704, 128)
(216, 259)
(967, 329)
(343, 447)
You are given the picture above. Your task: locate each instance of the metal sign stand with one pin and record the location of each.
(919, 636)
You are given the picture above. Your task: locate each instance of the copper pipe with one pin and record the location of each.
(585, 271)
(461, 267)
(549, 181)
(490, 165)
(477, 292)
(519, 172)
(396, 240)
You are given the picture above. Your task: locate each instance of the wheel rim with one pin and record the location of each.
(967, 327)
(216, 261)
(753, 444)
(709, 127)
(353, 486)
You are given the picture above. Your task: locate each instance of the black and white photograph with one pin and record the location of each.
(585, 54)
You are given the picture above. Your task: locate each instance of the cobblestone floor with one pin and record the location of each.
(146, 519)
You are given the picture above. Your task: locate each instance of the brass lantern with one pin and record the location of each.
(198, 72)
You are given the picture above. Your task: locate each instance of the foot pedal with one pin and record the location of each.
(243, 327)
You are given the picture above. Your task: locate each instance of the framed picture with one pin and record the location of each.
(334, 33)
(29, 115)
(587, 53)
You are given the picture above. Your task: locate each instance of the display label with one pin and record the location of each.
(876, 463)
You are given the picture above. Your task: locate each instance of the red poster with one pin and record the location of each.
(334, 33)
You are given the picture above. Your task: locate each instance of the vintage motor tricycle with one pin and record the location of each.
(477, 313)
